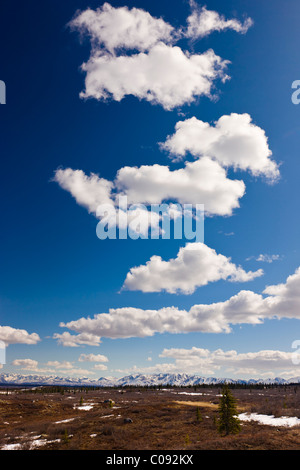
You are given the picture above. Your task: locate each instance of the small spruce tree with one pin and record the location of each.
(66, 439)
(199, 415)
(228, 421)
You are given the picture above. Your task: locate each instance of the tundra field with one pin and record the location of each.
(62, 418)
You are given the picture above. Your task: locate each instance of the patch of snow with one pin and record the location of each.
(270, 420)
(11, 447)
(41, 442)
(35, 442)
(84, 407)
(64, 421)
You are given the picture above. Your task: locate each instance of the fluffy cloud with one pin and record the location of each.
(113, 30)
(246, 307)
(160, 72)
(283, 300)
(95, 194)
(26, 364)
(130, 322)
(100, 367)
(205, 361)
(88, 191)
(267, 258)
(11, 335)
(135, 54)
(264, 363)
(234, 141)
(64, 367)
(200, 182)
(92, 358)
(122, 28)
(66, 339)
(203, 22)
(165, 75)
(195, 265)
(60, 364)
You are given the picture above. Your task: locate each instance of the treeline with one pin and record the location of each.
(62, 389)
(197, 387)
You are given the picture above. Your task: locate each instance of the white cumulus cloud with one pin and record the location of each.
(265, 258)
(196, 265)
(26, 364)
(122, 28)
(203, 181)
(200, 361)
(246, 307)
(66, 339)
(234, 141)
(200, 182)
(165, 75)
(263, 363)
(88, 191)
(203, 22)
(134, 53)
(11, 335)
(65, 365)
(100, 367)
(92, 358)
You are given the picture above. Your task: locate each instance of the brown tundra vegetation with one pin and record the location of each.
(137, 418)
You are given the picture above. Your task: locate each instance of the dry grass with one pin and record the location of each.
(160, 420)
(203, 404)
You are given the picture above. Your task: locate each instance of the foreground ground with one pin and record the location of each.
(165, 419)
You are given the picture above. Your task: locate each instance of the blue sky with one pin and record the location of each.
(54, 268)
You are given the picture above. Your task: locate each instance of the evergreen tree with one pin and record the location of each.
(199, 415)
(65, 438)
(228, 420)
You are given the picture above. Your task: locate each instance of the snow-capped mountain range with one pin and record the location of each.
(137, 379)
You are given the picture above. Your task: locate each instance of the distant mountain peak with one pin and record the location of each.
(175, 379)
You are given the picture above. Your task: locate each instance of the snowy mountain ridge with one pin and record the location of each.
(134, 380)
